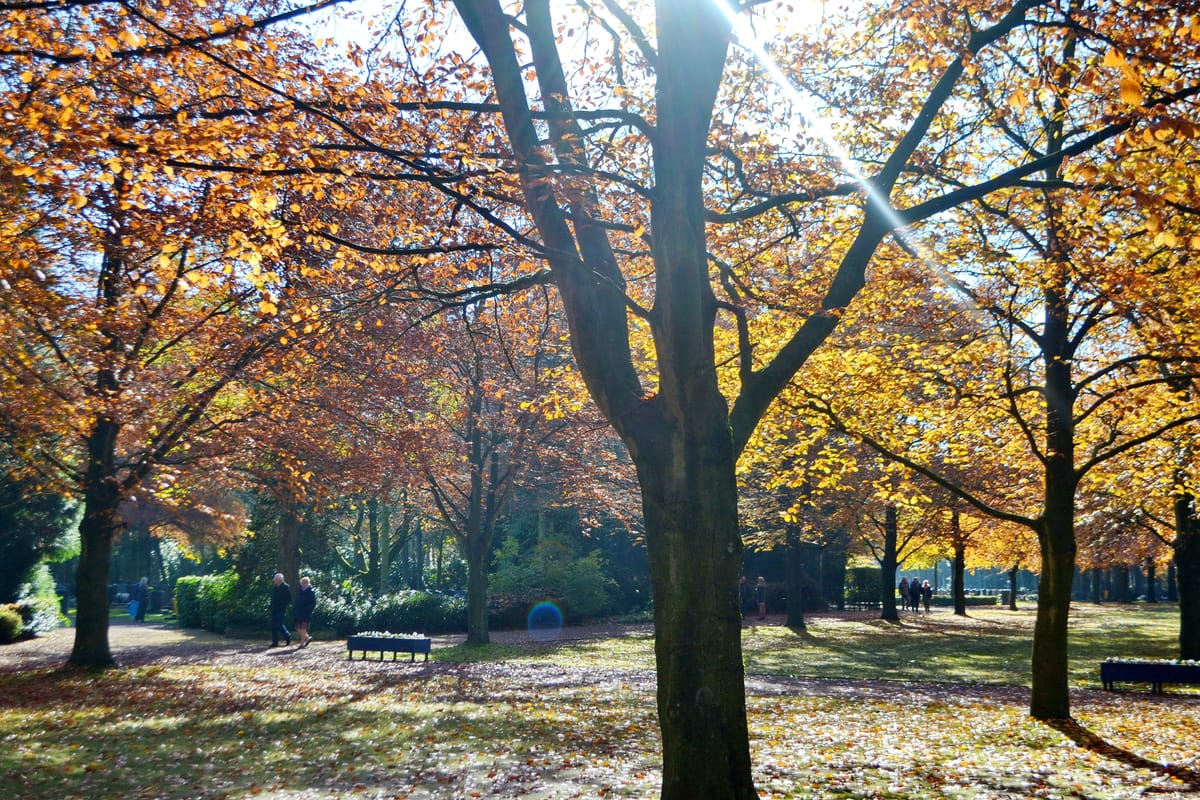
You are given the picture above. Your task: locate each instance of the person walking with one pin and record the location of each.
(904, 594)
(141, 596)
(760, 596)
(926, 595)
(281, 598)
(914, 594)
(306, 603)
(744, 595)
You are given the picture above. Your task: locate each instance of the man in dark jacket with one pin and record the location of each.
(281, 598)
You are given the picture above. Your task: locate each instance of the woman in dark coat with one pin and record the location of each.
(914, 594)
(306, 602)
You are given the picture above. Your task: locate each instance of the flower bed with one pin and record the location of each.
(386, 642)
(1155, 672)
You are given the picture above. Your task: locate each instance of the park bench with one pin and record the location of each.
(1155, 673)
(389, 644)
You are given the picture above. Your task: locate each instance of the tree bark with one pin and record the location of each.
(958, 580)
(1187, 576)
(97, 531)
(1050, 698)
(1012, 587)
(888, 565)
(695, 563)
(289, 540)
(796, 581)
(477, 615)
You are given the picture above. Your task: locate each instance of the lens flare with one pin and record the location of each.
(545, 622)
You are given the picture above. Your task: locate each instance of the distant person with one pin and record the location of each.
(904, 594)
(926, 595)
(914, 594)
(141, 596)
(281, 598)
(760, 596)
(306, 603)
(745, 593)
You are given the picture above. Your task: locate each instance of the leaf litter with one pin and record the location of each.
(215, 719)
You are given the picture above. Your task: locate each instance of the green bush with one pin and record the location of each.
(221, 603)
(10, 623)
(412, 610)
(864, 584)
(577, 584)
(39, 603)
(337, 613)
(187, 600)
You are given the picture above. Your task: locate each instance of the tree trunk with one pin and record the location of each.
(689, 501)
(958, 580)
(796, 581)
(1121, 590)
(372, 578)
(888, 566)
(1097, 587)
(418, 566)
(1151, 581)
(1187, 575)
(1050, 697)
(477, 613)
(1012, 586)
(97, 531)
(289, 541)
(385, 548)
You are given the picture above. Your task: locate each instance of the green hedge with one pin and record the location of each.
(226, 604)
(220, 603)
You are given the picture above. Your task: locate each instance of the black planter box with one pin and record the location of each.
(1154, 674)
(389, 644)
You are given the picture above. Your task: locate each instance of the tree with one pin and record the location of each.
(699, 261)
(491, 412)
(683, 434)
(133, 299)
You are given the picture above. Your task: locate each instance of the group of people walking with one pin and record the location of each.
(281, 598)
(913, 593)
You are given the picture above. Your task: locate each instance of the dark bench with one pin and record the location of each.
(1153, 673)
(389, 644)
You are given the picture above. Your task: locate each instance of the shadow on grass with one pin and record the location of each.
(1094, 743)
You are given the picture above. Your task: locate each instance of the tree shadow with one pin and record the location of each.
(1084, 738)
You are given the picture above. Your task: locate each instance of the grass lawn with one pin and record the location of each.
(851, 708)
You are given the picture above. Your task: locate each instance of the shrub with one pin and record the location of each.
(510, 611)
(221, 603)
(39, 603)
(10, 623)
(864, 584)
(336, 613)
(578, 584)
(413, 610)
(187, 600)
